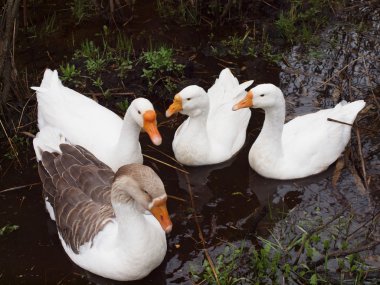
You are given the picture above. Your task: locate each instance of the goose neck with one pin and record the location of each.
(128, 215)
(271, 134)
(130, 131)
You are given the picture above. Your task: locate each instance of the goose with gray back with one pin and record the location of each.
(111, 224)
(303, 146)
(82, 121)
(212, 133)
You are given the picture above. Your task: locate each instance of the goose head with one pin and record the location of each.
(144, 186)
(143, 113)
(262, 96)
(191, 101)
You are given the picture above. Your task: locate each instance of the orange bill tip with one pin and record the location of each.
(150, 126)
(160, 212)
(246, 102)
(175, 107)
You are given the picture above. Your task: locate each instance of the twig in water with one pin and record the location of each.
(372, 220)
(315, 230)
(340, 253)
(168, 156)
(177, 198)
(10, 143)
(362, 159)
(200, 233)
(28, 134)
(164, 163)
(370, 83)
(112, 94)
(339, 72)
(352, 125)
(19, 187)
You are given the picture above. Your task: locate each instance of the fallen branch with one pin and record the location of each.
(341, 253)
(315, 230)
(19, 187)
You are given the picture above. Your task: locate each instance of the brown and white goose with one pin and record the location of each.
(111, 224)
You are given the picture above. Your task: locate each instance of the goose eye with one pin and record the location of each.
(138, 111)
(262, 95)
(188, 99)
(150, 197)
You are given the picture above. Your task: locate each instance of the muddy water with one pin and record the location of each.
(234, 205)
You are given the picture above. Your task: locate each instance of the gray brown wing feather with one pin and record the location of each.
(49, 189)
(79, 188)
(93, 180)
(79, 218)
(86, 157)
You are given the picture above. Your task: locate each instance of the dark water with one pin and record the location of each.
(227, 198)
(233, 204)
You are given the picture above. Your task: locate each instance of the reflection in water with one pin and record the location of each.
(199, 179)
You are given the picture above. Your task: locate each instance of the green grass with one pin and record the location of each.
(95, 65)
(123, 105)
(48, 26)
(124, 44)
(301, 23)
(225, 266)
(159, 63)
(182, 12)
(68, 72)
(197, 12)
(304, 258)
(7, 229)
(18, 143)
(88, 50)
(235, 44)
(81, 9)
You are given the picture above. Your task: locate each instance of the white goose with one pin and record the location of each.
(305, 145)
(110, 224)
(84, 122)
(213, 133)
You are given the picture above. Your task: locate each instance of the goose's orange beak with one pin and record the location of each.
(160, 212)
(150, 126)
(175, 107)
(247, 102)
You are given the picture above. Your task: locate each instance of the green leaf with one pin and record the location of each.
(314, 279)
(8, 229)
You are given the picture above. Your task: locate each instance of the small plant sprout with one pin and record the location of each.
(68, 72)
(7, 229)
(160, 62)
(123, 105)
(49, 26)
(81, 9)
(95, 65)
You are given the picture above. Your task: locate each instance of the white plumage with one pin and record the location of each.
(305, 145)
(213, 133)
(84, 122)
